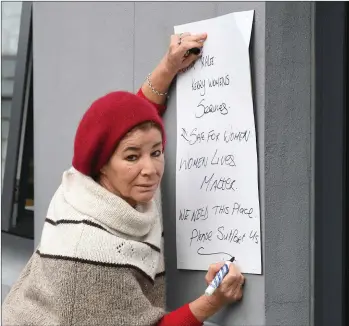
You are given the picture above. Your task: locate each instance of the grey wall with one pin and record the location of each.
(83, 50)
(288, 164)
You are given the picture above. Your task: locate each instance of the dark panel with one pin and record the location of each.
(330, 72)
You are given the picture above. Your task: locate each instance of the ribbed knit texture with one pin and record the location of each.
(100, 262)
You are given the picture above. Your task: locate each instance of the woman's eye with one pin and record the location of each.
(156, 153)
(131, 158)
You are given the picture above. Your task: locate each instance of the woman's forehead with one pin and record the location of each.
(139, 137)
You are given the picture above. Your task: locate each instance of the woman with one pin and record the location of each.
(100, 259)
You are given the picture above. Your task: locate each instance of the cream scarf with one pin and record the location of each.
(81, 212)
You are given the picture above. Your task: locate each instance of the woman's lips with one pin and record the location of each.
(147, 187)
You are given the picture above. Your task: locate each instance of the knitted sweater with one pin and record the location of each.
(99, 262)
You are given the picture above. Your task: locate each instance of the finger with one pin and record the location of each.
(188, 59)
(177, 38)
(195, 37)
(185, 46)
(226, 288)
(242, 280)
(234, 290)
(229, 284)
(236, 267)
(237, 296)
(212, 271)
(233, 279)
(183, 35)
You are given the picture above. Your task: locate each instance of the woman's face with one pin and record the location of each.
(135, 169)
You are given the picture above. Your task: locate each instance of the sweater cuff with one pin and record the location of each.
(159, 107)
(180, 317)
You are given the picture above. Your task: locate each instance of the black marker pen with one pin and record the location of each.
(195, 51)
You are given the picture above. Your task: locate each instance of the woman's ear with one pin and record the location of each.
(103, 170)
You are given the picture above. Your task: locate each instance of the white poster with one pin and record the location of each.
(217, 200)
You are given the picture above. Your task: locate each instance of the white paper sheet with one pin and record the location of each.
(217, 200)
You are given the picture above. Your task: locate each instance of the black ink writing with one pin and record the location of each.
(197, 137)
(213, 184)
(254, 236)
(200, 236)
(196, 162)
(230, 136)
(238, 209)
(212, 135)
(184, 134)
(203, 161)
(200, 214)
(220, 209)
(194, 214)
(219, 81)
(223, 159)
(231, 235)
(199, 85)
(222, 234)
(184, 214)
(206, 61)
(211, 108)
(201, 253)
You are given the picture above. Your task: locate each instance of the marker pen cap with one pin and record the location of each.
(210, 289)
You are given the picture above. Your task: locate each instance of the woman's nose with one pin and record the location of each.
(148, 167)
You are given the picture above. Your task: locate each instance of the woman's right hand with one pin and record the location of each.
(229, 291)
(231, 288)
(177, 57)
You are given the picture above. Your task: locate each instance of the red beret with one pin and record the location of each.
(104, 124)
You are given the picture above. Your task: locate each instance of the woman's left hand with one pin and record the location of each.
(177, 57)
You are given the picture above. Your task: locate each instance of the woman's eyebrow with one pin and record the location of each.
(157, 144)
(136, 148)
(131, 148)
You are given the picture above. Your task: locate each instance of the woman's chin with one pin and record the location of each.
(145, 197)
